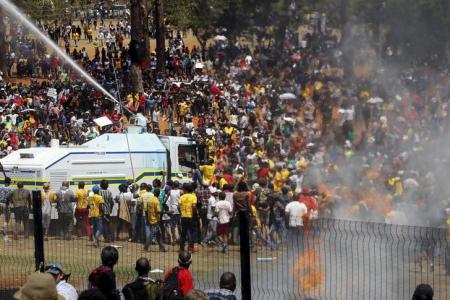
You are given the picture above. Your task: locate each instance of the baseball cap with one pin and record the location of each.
(54, 269)
(96, 189)
(38, 286)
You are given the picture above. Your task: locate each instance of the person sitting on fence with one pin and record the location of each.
(38, 286)
(423, 292)
(104, 277)
(143, 287)
(178, 280)
(63, 288)
(227, 288)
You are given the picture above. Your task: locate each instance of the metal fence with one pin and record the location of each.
(330, 259)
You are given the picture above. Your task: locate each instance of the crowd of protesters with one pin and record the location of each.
(287, 137)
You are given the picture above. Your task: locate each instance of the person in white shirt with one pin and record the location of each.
(63, 288)
(295, 211)
(173, 201)
(211, 215)
(224, 211)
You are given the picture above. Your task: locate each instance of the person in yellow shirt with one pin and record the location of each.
(153, 213)
(207, 172)
(82, 210)
(187, 203)
(278, 181)
(95, 202)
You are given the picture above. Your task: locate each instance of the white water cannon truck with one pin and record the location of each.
(117, 158)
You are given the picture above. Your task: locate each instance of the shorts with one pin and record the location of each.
(223, 229)
(175, 221)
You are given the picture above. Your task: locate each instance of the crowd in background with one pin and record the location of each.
(285, 134)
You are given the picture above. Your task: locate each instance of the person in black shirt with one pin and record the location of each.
(143, 287)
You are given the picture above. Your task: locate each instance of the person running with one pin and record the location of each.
(82, 210)
(21, 202)
(95, 202)
(188, 202)
(143, 287)
(224, 212)
(152, 209)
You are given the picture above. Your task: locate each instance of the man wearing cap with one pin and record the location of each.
(62, 287)
(38, 286)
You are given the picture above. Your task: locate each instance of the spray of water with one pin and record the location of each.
(14, 11)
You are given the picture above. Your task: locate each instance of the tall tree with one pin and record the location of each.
(160, 37)
(139, 42)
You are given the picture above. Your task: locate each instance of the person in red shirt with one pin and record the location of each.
(185, 281)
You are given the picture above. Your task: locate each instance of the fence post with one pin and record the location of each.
(244, 233)
(38, 231)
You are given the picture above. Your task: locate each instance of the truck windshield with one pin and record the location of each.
(187, 155)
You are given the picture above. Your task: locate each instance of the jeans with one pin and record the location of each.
(97, 224)
(21, 215)
(152, 231)
(66, 225)
(212, 235)
(106, 228)
(187, 232)
(279, 229)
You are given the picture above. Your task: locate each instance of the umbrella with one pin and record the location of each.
(103, 121)
(375, 100)
(220, 38)
(288, 96)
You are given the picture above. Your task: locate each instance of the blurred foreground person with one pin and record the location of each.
(104, 277)
(143, 287)
(227, 288)
(178, 281)
(423, 292)
(63, 288)
(39, 286)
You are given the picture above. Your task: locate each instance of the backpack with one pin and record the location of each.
(170, 290)
(135, 291)
(96, 275)
(263, 198)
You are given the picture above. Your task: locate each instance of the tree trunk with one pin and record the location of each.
(3, 45)
(160, 38)
(139, 42)
(282, 26)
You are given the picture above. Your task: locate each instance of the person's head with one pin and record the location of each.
(196, 295)
(142, 266)
(65, 184)
(157, 192)
(46, 186)
(143, 186)
(423, 292)
(156, 183)
(20, 185)
(109, 256)
(188, 187)
(222, 196)
(96, 189)
(123, 188)
(104, 184)
(56, 270)
(242, 186)
(38, 286)
(184, 259)
(91, 294)
(81, 185)
(7, 181)
(228, 281)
